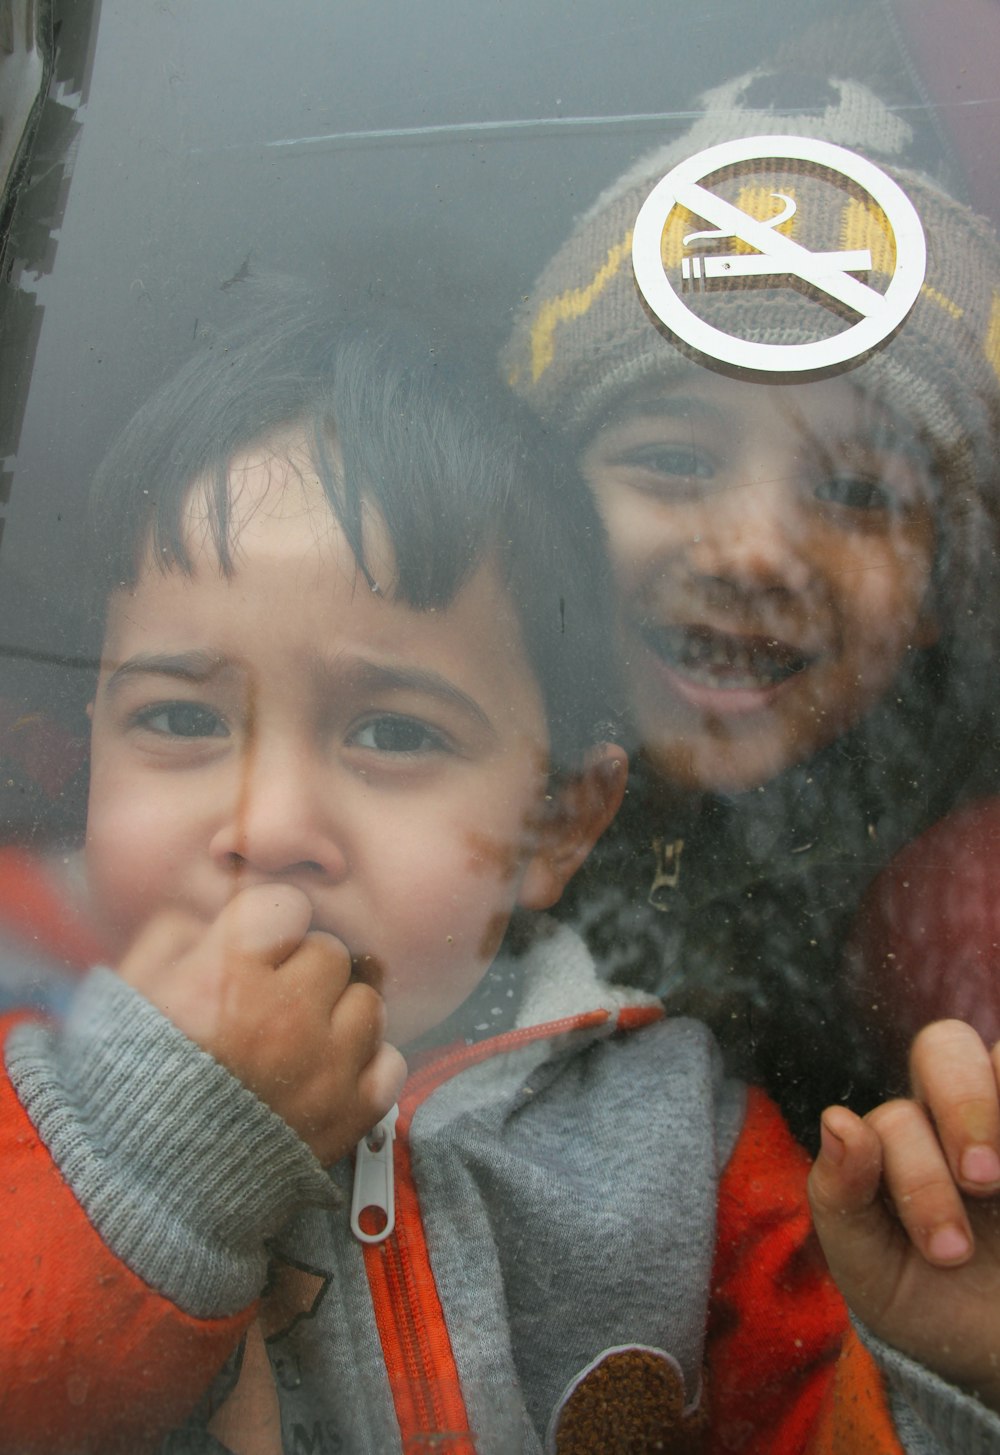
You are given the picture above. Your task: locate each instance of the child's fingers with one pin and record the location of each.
(319, 970)
(334, 1123)
(848, 1213)
(265, 923)
(357, 1023)
(918, 1180)
(953, 1075)
(381, 1082)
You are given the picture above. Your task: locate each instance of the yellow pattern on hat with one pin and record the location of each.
(991, 343)
(572, 304)
(942, 301)
(865, 225)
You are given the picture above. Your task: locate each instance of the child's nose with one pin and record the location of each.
(280, 824)
(755, 537)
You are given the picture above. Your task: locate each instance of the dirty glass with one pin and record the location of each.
(498, 515)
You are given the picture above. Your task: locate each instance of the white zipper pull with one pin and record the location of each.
(373, 1179)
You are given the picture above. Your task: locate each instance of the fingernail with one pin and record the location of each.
(948, 1244)
(830, 1144)
(980, 1165)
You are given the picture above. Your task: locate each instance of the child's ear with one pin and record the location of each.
(582, 807)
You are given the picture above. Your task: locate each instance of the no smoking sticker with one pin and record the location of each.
(713, 256)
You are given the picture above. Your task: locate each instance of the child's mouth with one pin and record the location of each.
(722, 661)
(369, 970)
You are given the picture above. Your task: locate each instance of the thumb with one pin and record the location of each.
(858, 1234)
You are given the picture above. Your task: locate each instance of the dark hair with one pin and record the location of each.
(458, 472)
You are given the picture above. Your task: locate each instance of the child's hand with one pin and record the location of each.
(275, 1003)
(907, 1206)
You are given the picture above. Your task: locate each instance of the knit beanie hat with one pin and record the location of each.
(586, 335)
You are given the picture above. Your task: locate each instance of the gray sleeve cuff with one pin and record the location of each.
(183, 1172)
(932, 1415)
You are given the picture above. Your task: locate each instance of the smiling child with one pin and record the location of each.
(775, 548)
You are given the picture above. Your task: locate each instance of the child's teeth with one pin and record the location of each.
(718, 660)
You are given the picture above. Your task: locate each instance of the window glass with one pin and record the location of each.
(518, 485)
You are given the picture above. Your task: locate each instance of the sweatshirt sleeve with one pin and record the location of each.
(787, 1371)
(141, 1181)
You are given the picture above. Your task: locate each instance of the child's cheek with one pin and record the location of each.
(449, 917)
(128, 859)
(903, 616)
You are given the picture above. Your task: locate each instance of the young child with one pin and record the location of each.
(806, 570)
(347, 727)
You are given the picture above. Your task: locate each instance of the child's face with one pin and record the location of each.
(287, 724)
(773, 547)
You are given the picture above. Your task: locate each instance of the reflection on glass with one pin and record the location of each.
(23, 51)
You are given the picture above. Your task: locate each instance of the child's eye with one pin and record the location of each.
(856, 492)
(672, 461)
(395, 733)
(183, 720)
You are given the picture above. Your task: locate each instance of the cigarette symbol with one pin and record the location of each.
(746, 265)
(703, 266)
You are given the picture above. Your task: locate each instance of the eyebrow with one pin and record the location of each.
(194, 666)
(878, 426)
(368, 677)
(659, 404)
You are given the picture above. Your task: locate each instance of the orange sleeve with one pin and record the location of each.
(786, 1374)
(33, 909)
(91, 1358)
